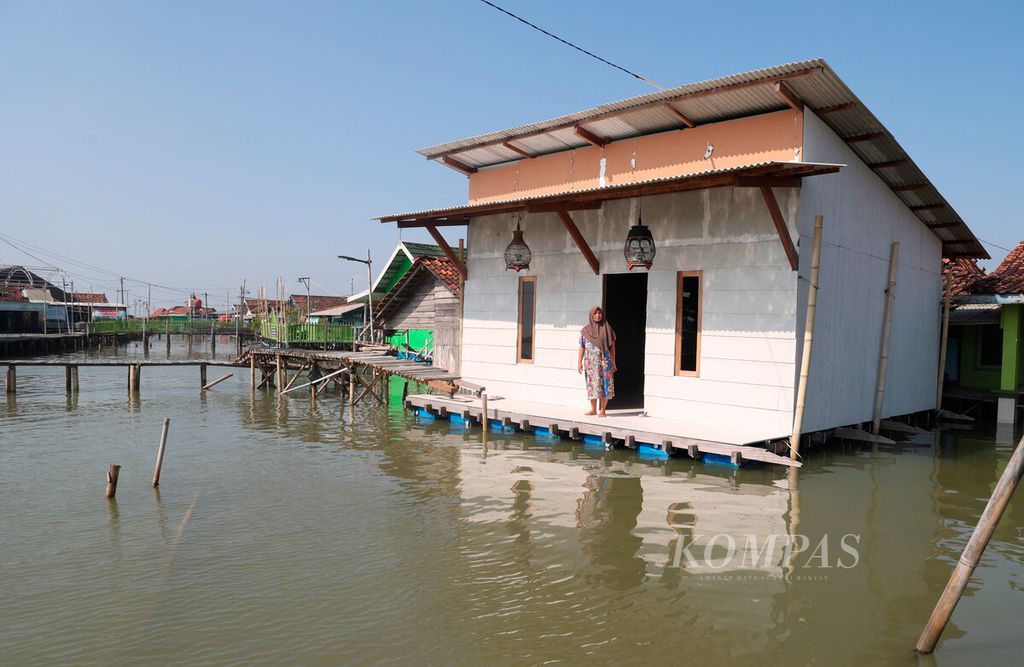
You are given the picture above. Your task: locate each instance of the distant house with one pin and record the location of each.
(18, 314)
(422, 312)
(348, 313)
(316, 302)
(726, 178)
(396, 266)
(986, 333)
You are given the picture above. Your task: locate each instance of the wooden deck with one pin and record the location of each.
(625, 426)
(377, 362)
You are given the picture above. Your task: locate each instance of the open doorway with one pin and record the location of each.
(625, 307)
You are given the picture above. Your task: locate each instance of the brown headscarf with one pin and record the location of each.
(599, 334)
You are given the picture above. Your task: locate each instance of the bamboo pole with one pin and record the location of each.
(216, 382)
(883, 357)
(160, 452)
(112, 474)
(972, 552)
(483, 418)
(946, 299)
(314, 382)
(805, 361)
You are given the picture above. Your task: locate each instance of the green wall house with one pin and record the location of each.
(395, 268)
(986, 334)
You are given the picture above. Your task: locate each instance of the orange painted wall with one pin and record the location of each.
(769, 137)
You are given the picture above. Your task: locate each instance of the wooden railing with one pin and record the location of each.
(165, 326)
(295, 334)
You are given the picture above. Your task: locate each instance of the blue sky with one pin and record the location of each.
(197, 144)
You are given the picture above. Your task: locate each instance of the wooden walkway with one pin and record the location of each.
(275, 363)
(626, 427)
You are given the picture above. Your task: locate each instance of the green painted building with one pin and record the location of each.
(986, 334)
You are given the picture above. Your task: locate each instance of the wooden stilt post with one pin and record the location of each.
(279, 373)
(74, 378)
(252, 372)
(972, 553)
(131, 378)
(405, 391)
(216, 382)
(946, 299)
(12, 379)
(67, 378)
(137, 383)
(883, 357)
(202, 375)
(352, 385)
(112, 474)
(160, 452)
(805, 361)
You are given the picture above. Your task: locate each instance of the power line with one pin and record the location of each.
(995, 245)
(571, 45)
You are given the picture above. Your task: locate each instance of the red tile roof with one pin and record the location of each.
(444, 269)
(1008, 278)
(318, 302)
(89, 297)
(11, 294)
(963, 273)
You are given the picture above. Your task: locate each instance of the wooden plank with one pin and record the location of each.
(780, 226)
(835, 108)
(862, 436)
(581, 242)
(449, 253)
(516, 149)
(857, 138)
(458, 166)
(889, 163)
(900, 427)
(683, 118)
(590, 137)
(783, 90)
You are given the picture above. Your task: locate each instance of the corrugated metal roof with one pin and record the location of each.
(520, 202)
(725, 98)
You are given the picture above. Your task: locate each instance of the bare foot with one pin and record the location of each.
(589, 414)
(602, 414)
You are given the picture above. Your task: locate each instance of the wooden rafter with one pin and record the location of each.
(926, 207)
(835, 107)
(683, 118)
(889, 163)
(943, 225)
(516, 149)
(870, 136)
(459, 221)
(581, 242)
(458, 166)
(788, 96)
(768, 181)
(447, 249)
(780, 226)
(542, 207)
(590, 137)
(909, 186)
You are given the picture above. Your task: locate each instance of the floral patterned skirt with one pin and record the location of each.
(597, 369)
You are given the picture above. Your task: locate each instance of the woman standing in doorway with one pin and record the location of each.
(597, 361)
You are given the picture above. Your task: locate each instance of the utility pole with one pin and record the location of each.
(122, 297)
(206, 306)
(369, 285)
(305, 280)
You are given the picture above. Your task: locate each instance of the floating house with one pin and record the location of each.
(689, 215)
(986, 333)
(396, 266)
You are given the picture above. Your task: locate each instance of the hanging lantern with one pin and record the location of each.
(639, 250)
(517, 254)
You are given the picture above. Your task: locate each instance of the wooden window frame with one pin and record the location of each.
(519, 322)
(699, 275)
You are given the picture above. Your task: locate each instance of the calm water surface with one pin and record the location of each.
(290, 533)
